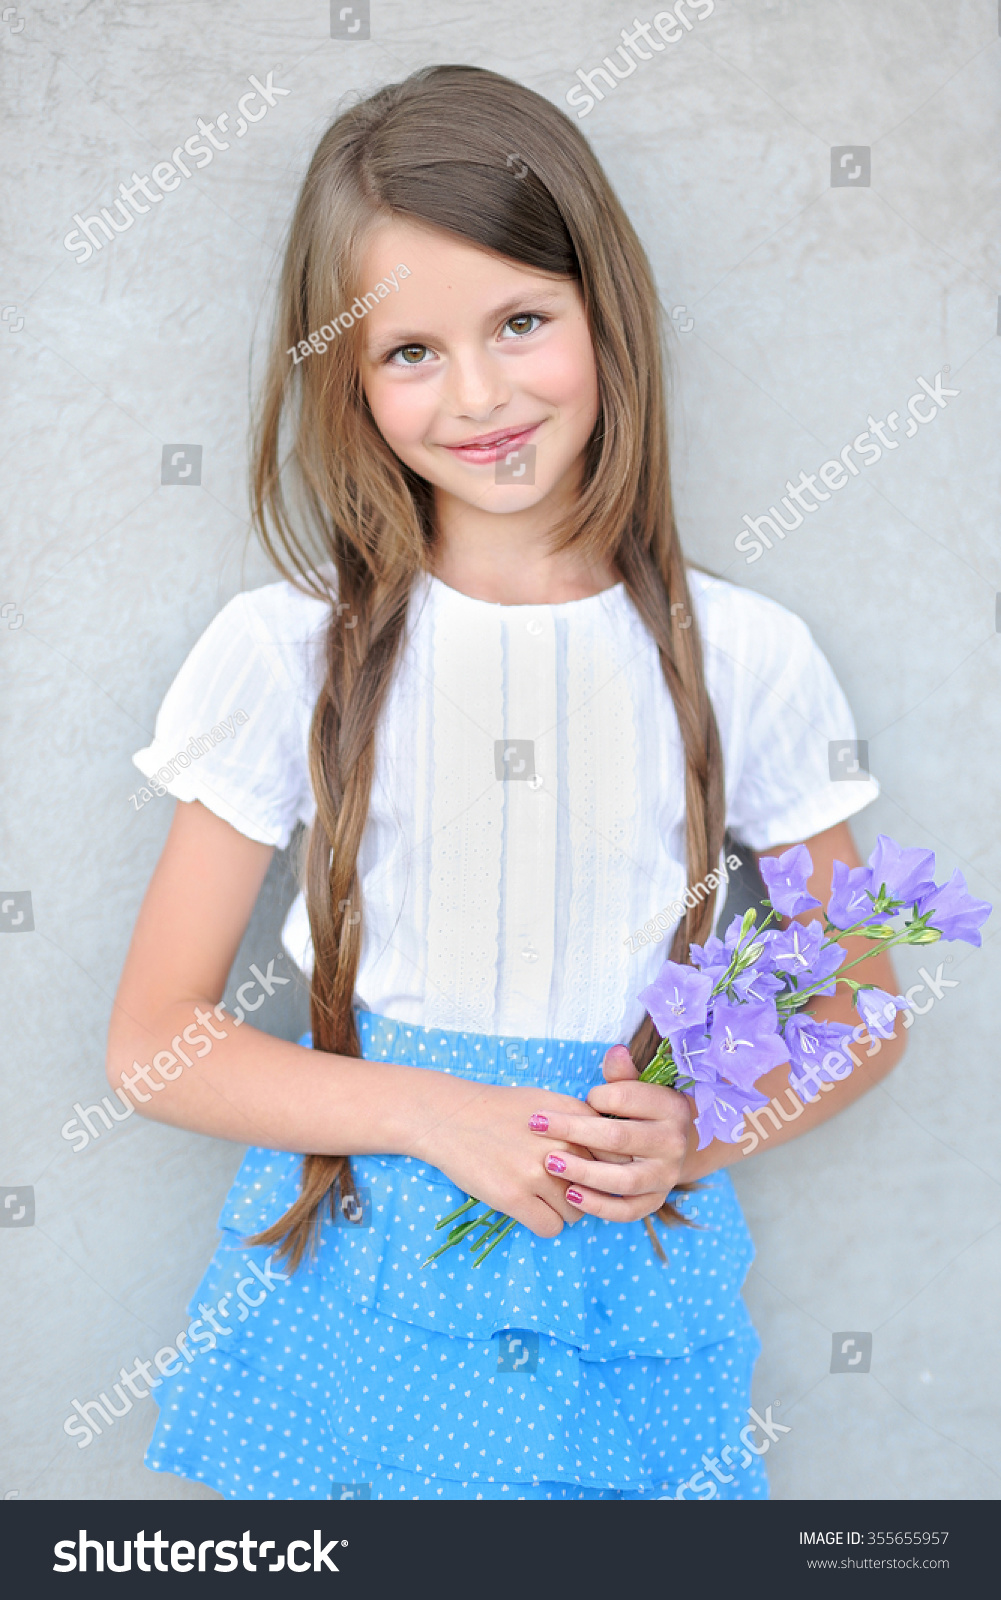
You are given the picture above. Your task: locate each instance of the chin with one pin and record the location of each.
(480, 489)
(503, 500)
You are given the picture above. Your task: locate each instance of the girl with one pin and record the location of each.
(515, 727)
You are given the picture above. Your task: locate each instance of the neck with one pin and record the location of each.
(508, 558)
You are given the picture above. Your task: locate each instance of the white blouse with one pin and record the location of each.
(527, 814)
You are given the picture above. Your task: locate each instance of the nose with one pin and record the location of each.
(476, 385)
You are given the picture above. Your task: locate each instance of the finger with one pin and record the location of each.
(619, 1065)
(555, 1198)
(609, 1156)
(613, 1209)
(585, 1150)
(623, 1138)
(644, 1102)
(630, 1178)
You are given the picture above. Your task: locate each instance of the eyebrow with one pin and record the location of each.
(409, 334)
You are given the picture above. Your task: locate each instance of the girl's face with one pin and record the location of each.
(479, 373)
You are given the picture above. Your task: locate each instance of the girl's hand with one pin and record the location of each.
(653, 1139)
(481, 1138)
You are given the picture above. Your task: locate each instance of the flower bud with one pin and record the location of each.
(748, 957)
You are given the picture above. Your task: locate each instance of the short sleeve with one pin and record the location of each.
(793, 766)
(232, 731)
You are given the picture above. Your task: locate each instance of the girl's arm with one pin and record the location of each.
(183, 1062)
(241, 1084)
(876, 1057)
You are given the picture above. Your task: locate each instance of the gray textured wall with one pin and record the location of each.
(799, 308)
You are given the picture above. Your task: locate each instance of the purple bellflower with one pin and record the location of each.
(744, 1041)
(756, 983)
(800, 952)
(851, 901)
(678, 997)
(812, 1046)
(714, 956)
(878, 1011)
(689, 1047)
(721, 1109)
(907, 874)
(711, 963)
(786, 877)
(954, 912)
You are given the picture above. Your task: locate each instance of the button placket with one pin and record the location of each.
(530, 821)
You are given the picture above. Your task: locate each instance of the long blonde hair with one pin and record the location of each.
(480, 156)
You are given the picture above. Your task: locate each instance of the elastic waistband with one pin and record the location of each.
(567, 1066)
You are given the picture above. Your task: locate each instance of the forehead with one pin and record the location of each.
(445, 271)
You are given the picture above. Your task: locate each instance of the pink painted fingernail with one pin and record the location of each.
(575, 1197)
(538, 1122)
(555, 1163)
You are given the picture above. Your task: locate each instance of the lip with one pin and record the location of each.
(493, 446)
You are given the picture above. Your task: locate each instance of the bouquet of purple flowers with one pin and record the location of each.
(732, 1016)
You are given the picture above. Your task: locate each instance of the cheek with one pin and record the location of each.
(402, 412)
(565, 376)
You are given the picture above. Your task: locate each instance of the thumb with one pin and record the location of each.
(619, 1064)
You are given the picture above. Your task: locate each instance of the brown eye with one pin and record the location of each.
(413, 354)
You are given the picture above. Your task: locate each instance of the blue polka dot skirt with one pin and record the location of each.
(580, 1367)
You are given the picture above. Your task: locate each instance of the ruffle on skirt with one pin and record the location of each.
(558, 1360)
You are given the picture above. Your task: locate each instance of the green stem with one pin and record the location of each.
(731, 971)
(472, 1201)
(460, 1232)
(501, 1220)
(481, 1222)
(844, 933)
(800, 996)
(480, 1259)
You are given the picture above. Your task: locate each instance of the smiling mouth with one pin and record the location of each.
(493, 446)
